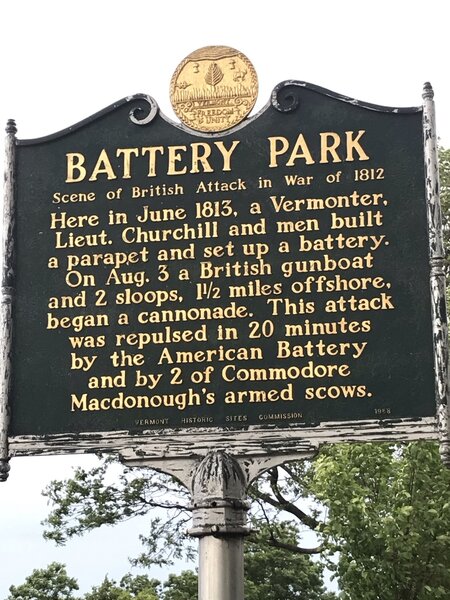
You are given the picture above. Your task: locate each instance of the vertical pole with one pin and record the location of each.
(7, 251)
(221, 568)
(437, 276)
(219, 521)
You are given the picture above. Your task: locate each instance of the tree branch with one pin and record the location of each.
(166, 506)
(293, 547)
(282, 503)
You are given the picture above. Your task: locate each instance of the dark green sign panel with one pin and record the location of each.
(275, 274)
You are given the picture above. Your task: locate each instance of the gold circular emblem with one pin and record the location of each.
(214, 88)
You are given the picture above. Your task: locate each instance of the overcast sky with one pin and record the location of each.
(62, 61)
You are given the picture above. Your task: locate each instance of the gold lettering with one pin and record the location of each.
(175, 157)
(305, 153)
(226, 153)
(276, 150)
(103, 165)
(326, 149)
(196, 157)
(127, 152)
(151, 151)
(75, 162)
(353, 144)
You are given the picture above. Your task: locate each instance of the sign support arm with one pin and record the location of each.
(437, 275)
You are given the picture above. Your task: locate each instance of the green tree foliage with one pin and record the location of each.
(108, 590)
(140, 587)
(389, 518)
(387, 515)
(51, 583)
(181, 587)
(396, 498)
(274, 573)
(270, 573)
(89, 500)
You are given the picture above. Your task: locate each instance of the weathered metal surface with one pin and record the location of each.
(285, 98)
(221, 568)
(252, 442)
(140, 117)
(7, 297)
(219, 519)
(218, 492)
(437, 276)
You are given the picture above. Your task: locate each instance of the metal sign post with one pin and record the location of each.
(7, 296)
(219, 521)
(437, 277)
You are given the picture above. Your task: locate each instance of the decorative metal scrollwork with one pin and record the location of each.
(143, 115)
(285, 97)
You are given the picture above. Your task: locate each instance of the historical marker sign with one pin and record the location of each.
(274, 275)
(213, 304)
